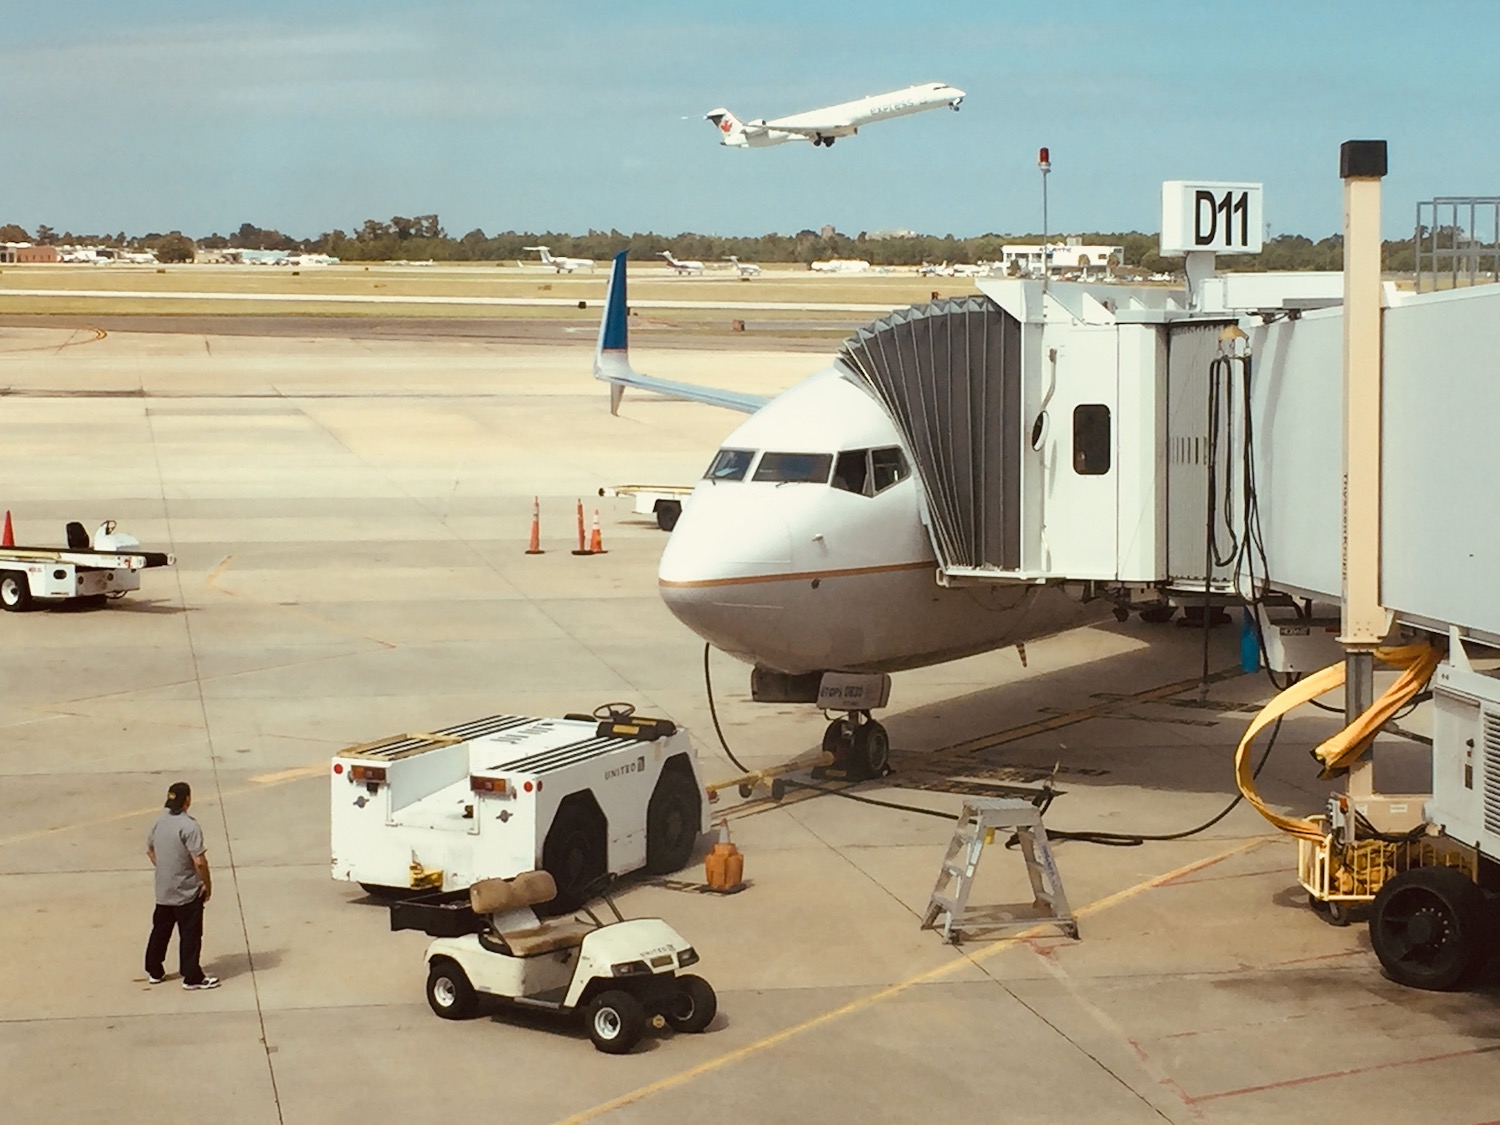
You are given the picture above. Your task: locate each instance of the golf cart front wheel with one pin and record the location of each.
(616, 1021)
(694, 1006)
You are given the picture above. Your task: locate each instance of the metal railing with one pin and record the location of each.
(1457, 242)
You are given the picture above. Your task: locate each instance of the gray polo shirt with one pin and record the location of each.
(176, 839)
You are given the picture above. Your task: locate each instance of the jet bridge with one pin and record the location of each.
(1115, 435)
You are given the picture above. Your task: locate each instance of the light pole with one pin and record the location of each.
(1044, 162)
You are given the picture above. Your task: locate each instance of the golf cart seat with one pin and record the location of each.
(508, 903)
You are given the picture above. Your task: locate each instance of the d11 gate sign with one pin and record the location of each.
(1216, 217)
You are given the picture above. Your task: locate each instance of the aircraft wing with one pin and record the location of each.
(612, 359)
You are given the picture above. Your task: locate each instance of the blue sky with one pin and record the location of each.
(314, 115)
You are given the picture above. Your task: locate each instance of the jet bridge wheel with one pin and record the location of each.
(15, 594)
(1427, 927)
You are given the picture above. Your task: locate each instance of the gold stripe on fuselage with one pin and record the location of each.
(797, 576)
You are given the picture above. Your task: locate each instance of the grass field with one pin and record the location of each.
(251, 290)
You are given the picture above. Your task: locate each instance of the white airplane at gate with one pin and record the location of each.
(802, 550)
(690, 268)
(562, 265)
(824, 126)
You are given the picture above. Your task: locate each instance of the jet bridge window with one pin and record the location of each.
(1091, 440)
(730, 464)
(799, 468)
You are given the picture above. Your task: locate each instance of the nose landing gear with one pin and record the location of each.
(860, 747)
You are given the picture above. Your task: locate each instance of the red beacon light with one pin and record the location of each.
(1044, 160)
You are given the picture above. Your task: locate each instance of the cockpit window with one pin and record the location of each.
(851, 471)
(730, 464)
(805, 468)
(887, 467)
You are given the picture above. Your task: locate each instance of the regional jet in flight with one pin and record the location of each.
(562, 265)
(824, 126)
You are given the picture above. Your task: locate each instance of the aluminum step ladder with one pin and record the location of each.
(981, 818)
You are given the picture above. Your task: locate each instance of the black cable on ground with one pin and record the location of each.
(708, 684)
(1043, 800)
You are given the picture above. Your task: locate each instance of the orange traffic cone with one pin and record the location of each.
(596, 540)
(582, 546)
(8, 537)
(534, 544)
(724, 866)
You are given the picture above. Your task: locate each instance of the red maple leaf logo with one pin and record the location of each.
(726, 125)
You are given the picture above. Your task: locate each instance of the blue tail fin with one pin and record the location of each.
(612, 356)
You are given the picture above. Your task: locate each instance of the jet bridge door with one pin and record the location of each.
(949, 374)
(1074, 437)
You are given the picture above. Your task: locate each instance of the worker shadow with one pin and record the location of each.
(232, 965)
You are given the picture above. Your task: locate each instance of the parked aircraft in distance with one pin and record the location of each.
(824, 126)
(840, 265)
(562, 265)
(688, 267)
(744, 269)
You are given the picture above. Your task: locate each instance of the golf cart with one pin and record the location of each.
(620, 975)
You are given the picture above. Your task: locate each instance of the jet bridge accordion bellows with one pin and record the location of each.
(949, 374)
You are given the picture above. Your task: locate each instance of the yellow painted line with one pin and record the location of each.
(776, 1038)
(212, 581)
(258, 785)
(1093, 711)
(291, 774)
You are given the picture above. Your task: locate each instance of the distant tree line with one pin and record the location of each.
(422, 237)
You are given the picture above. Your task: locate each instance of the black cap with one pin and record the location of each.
(177, 795)
(1365, 160)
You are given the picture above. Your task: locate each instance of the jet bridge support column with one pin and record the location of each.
(1362, 164)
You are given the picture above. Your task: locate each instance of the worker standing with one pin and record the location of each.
(183, 885)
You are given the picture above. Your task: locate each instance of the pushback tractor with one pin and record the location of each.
(583, 797)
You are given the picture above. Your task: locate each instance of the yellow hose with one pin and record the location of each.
(1417, 662)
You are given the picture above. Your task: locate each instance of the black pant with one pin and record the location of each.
(188, 919)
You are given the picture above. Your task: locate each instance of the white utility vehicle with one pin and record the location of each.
(620, 976)
(108, 565)
(664, 501)
(582, 797)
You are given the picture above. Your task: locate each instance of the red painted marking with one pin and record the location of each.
(1351, 1072)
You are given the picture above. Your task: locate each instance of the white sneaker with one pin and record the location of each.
(206, 982)
(154, 980)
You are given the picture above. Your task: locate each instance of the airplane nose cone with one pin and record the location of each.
(717, 566)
